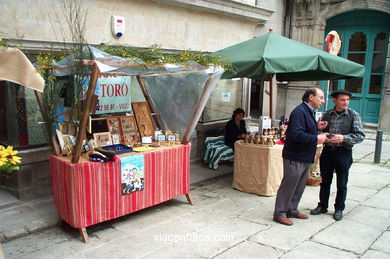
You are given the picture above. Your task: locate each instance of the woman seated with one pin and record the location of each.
(235, 128)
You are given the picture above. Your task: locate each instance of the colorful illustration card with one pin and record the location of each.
(132, 174)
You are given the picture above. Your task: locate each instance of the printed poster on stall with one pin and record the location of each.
(113, 91)
(132, 174)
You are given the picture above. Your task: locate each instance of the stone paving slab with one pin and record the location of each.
(360, 194)
(144, 219)
(211, 241)
(370, 254)
(27, 217)
(313, 250)
(7, 198)
(380, 199)
(250, 250)
(28, 244)
(383, 243)
(370, 181)
(287, 237)
(375, 217)
(348, 235)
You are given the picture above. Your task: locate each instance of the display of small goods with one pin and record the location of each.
(118, 132)
(161, 138)
(171, 139)
(118, 149)
(268, 137)
(129, 130)
(144, 118)
(147, 140)
(177, 137)
(69, 142)
(156, 133)
(102, 139)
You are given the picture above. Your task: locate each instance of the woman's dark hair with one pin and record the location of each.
(237, 111)
(308, 92)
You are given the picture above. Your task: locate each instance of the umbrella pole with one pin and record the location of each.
(270, 95)
(326, 94)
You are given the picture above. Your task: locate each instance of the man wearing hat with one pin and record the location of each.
(345, 129)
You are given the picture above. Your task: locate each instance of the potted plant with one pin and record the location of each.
(314, 177)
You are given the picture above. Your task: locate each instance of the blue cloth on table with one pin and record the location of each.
(214, 150)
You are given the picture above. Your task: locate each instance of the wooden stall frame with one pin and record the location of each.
(198, 107)
(89, 108)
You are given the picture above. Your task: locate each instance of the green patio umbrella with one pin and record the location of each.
(290, 60)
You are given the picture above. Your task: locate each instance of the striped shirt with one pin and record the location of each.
(346, 123)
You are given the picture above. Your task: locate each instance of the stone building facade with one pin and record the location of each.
(36, 26)
(364, 28)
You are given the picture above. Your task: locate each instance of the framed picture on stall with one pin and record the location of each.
(114, 125)
(102, 139)
(116, 139)
(98, 125)
(129, 130)
(144, 118)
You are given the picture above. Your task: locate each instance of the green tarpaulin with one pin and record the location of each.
(290, 60)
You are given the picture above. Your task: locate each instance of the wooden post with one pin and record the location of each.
(270, 95)
(149, 100)
(84, 235)
(56, 147)
(198, 110)
(87, 110)
(189, 199)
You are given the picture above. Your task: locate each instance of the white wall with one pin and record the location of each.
(147, 23)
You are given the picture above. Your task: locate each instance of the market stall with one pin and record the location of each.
(135, 160)
(271, 54)
(87, 193)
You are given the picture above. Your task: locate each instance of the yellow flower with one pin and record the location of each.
(3, 160)
(3, 156)
(10, 155)
(14, 159)
(9, 151)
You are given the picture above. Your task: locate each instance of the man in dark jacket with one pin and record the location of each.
(298, 154)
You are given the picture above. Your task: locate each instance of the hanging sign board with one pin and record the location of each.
(114, 93)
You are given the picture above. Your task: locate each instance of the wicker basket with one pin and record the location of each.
(314, 181)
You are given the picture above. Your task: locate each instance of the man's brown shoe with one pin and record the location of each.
(298, 215)
(284, 221)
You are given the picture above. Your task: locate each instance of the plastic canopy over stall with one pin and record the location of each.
(178, 92)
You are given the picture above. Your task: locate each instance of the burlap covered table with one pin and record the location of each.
(257, 168)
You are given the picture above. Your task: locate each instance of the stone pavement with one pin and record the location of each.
(223, 223)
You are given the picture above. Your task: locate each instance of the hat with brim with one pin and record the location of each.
(338, 92)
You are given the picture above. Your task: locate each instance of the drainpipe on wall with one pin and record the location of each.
(246, 99)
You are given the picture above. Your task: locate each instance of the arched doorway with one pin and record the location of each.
(364, 35)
